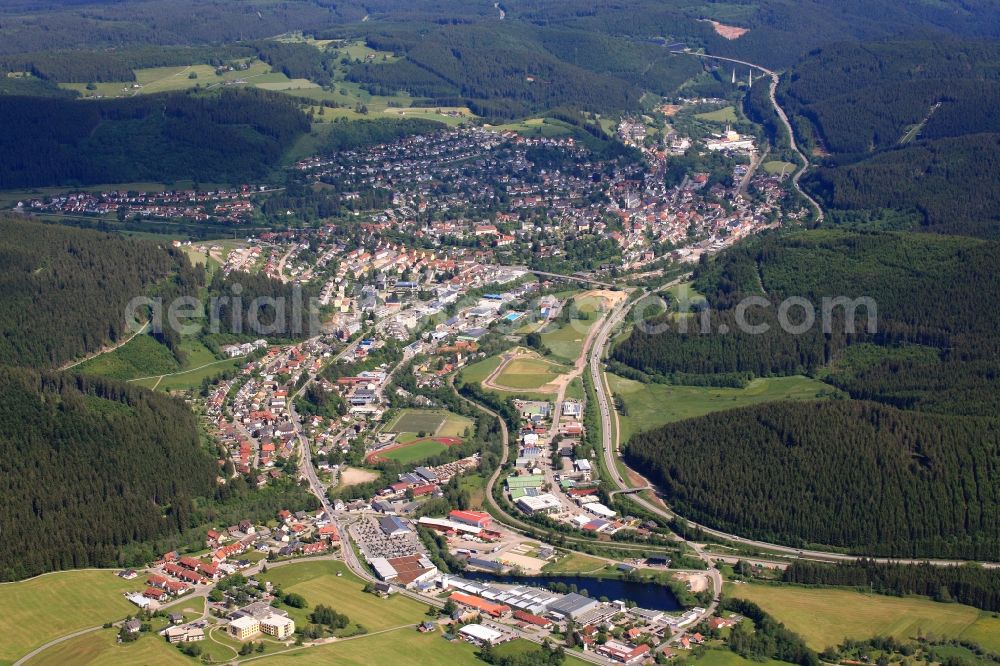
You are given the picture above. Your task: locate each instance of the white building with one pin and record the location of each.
(244, 627)
(544, 503)
(480, 635)
(279, 626)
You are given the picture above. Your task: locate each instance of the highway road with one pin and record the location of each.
(612, 454)
(772, 92)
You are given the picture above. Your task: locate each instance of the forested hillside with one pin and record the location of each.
(63, 291)
(90, 466)
(862, 476)
(903, 125)
(929, 290)
(951, 185)
(234, 136)
(915, 475)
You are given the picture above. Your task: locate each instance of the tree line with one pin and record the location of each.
(967, 584)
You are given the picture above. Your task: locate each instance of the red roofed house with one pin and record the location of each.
(496, 610)
(154, 593)
(175, 587)
(426, 489)
(191, 563)
(315, 548)
(182, 573)
(535, 620)
(209, 570)
(156, 580)
(623, 653)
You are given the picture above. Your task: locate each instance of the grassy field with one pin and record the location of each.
(574, 562)
(566, 341)
(546, 127)
(652, 405)
(101, 647)
(480, 370)
(139, 357)
(824, 617)
(319, 584)
(417, 420)
(775, 167)
(722, 657)
(164, 79)
(437, 422)
(726, 114)
(402, 646)
(414, 452)
(528, 373)
(36, 611)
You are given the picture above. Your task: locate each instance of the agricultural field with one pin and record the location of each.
(544, 127)
(651, 405)
(57, 604)
(723, 657)
(167, 79)
(726, 114)
(825, 616)
(401, 646)
(319, 583)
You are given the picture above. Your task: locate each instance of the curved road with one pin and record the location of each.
(784, 119)
(610, 445)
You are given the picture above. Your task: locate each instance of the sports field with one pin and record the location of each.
(652, 405)
(824, 617)
(528, 373)
(36, 611)
(439, 422)
(413, 452)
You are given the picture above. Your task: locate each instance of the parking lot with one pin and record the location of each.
(375, 543)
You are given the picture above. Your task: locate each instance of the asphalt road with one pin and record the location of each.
(772, 92)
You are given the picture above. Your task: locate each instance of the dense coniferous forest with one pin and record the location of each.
(94, 472)
(916, 475)
(967, 584)
(862, 476)
(89, 466)
(903, 125)
(234, 136)
(63, 291)
(952, 184)
(929, 290)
